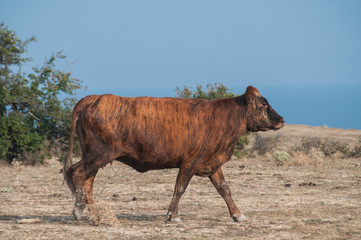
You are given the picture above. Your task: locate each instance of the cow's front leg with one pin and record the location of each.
(183, 178)
(78, 176)
(223, 189)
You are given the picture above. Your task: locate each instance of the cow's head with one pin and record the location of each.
(260, 115)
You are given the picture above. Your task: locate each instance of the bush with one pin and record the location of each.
(327, 147)
(216, 90)
(281, 157)
(355, 152)
(308, 143)
(240, 148)
(264, 145)
(330, 147)
(35, 108)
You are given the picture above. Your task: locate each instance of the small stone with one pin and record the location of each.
(29, 220)
(115, 195)
(288, 185)
(134, 199)
(242, 166)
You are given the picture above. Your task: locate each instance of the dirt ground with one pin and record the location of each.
(310, 201)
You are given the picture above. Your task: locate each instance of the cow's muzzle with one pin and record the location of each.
(280, 125)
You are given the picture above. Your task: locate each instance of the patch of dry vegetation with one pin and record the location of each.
(101, 213)
(303, 150)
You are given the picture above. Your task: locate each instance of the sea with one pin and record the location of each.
(327, 105)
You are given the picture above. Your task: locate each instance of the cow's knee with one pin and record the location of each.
(224, 189)
(180, 191)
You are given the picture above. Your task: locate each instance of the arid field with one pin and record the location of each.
(314, 193)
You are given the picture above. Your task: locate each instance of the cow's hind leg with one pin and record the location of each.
(223, 189)
(183, 178)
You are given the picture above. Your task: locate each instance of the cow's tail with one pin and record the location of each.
(68, 158)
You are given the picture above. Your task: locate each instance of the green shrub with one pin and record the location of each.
(281, 157)
(35, 107)
(238, 153)
(214, 91)
(243, 141)
(240, 148)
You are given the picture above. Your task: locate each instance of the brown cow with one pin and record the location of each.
(195, 135)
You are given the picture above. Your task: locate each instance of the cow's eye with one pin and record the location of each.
(264, 104)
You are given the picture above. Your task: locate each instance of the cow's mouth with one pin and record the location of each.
(280, 125)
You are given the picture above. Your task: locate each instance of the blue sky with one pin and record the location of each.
(151, 47)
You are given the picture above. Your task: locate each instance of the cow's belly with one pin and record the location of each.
(202, 168)
(143, 165)
(206, 170)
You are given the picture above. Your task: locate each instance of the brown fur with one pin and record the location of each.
(197, 136)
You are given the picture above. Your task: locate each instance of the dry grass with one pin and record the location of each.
(307, 145)
(101, 213)
(310, 197)
(313, 158)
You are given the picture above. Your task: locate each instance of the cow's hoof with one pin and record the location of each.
(241, 218)
(174, 219)
(77, 214)
(177, 220)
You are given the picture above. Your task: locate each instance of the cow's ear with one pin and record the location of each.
(251, 94)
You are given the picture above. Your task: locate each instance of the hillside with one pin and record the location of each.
(299, 131)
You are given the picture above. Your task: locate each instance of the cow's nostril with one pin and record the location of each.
(282, 120)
